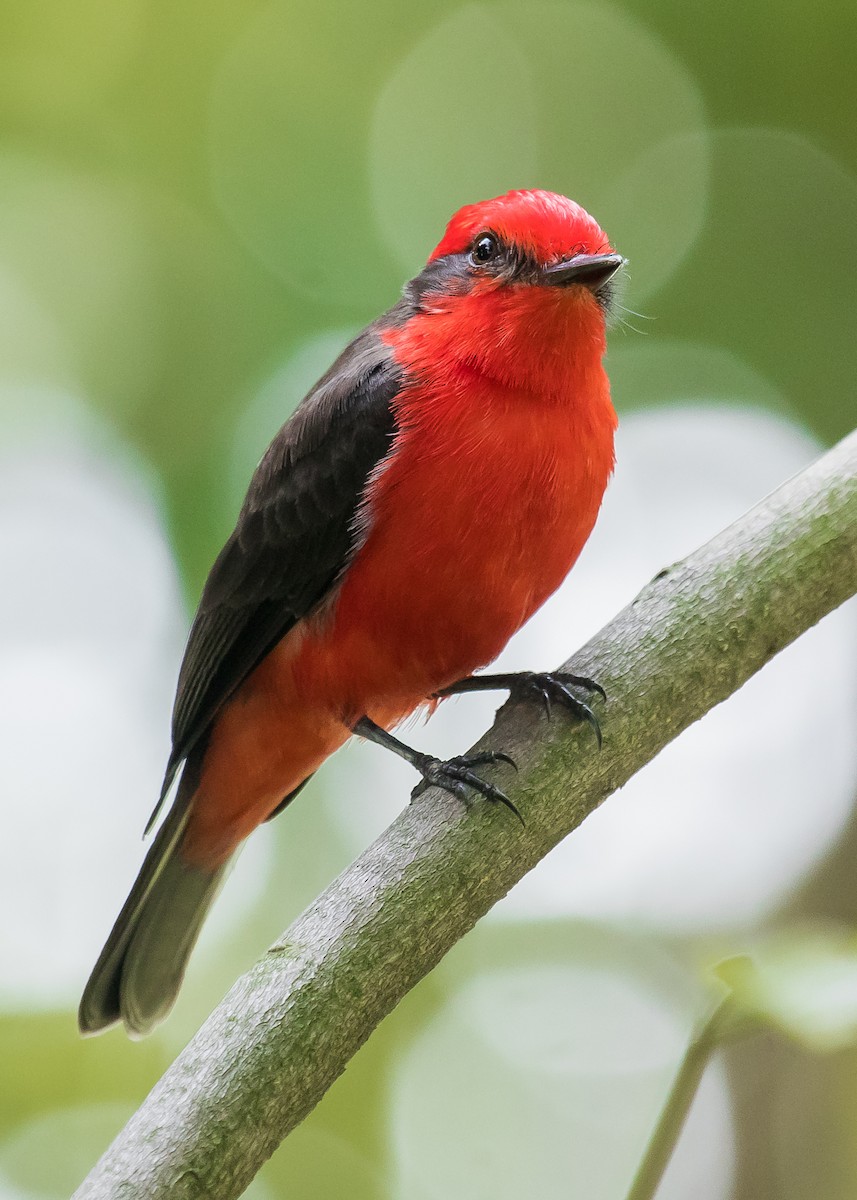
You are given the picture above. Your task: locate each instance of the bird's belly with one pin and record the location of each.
(454, 563)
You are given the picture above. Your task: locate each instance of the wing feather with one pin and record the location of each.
(294, 535)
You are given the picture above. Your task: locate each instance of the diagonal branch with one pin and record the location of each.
(284, 1033)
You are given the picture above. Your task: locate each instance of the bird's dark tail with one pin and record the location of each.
(140, 969)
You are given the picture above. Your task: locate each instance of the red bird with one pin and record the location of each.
(425, 498)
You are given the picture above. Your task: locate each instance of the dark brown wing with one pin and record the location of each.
(294, 534)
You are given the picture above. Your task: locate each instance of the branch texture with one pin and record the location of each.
(287, 1029)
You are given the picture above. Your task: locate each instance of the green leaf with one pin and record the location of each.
(804, 984)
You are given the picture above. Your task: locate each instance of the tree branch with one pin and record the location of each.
(286, 1030)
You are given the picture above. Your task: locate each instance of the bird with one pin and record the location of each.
(423, 500)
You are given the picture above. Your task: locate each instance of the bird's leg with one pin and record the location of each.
(549, 687)
(455, 775)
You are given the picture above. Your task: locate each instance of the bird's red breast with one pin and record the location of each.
(477, 516)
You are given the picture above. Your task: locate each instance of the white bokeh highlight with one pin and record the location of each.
(548, 1080)
(91, 632)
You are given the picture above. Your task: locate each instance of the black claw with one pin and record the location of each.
(583, 681)
(486, 757)
(506, 758)
(455, 776)
(557, 688)
(588, 715)
(583, 712)
(564, 679)
(504, 799)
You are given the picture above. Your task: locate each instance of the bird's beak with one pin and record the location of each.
(591, 270)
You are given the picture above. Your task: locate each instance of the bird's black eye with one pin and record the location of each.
(484, 249)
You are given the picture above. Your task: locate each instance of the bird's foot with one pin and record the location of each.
(551, 687)
(456, 775)
(555, 688)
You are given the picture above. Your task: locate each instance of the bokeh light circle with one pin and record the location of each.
(773, 275)
(546, 1079)
(452, 126)
(287, 160)
(533, 108)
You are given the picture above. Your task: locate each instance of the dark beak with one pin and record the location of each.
(591, 270)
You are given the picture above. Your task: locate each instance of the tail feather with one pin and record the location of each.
(140, 969)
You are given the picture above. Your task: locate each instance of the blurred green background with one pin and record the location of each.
(199, 204)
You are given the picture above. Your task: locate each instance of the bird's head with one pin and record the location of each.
(525, 281)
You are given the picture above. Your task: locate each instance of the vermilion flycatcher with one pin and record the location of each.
(425, 498)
